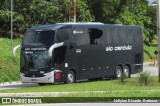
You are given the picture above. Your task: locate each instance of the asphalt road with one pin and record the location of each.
(16, 85)
(152, 69)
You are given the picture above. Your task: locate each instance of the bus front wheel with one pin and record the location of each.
(71, 77)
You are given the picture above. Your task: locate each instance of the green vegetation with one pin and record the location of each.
(106, 88)
(122, 78)
(117, 93)
(149, 52)
(31, 13)
(143, 78)
(9, 66)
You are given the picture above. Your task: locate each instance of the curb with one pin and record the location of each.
(10, 83)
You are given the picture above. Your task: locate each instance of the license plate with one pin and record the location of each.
(34, 80)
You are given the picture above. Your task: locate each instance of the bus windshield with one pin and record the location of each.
(45, 38)
(37, 60)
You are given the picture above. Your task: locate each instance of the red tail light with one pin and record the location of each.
(57, 76)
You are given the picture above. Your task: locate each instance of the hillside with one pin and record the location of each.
(9, 66)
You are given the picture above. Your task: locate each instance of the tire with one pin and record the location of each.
(126, 71)
(118, 72)
(70, 77)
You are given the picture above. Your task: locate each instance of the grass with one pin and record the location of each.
(109, 88)
(9, 66)
(143, 78)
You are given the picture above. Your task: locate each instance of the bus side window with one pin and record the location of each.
(62, 35)
(129, 36)
(80, 37)
(59, 55)
(95, 34)
(112, 35)
(137, 38)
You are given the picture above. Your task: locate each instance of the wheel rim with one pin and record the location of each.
(70, 78)
(126, 72)
(118, 73)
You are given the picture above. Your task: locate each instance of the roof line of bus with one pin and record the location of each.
(60, 25)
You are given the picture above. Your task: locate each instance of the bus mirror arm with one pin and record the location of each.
(15, 49)
(53, 47)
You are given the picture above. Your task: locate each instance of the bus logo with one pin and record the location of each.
(75, 32)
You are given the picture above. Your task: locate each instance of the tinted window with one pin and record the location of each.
(112, 36)
(103, 39)
(120, 34)
(115, 37)
(125, 34)
(80, 37)
(87, 36)
(137, 35)
(95, 34)
(62, 35)
(39, 38)
(129, 35)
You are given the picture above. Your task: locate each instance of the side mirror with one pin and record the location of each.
(54, 46)
(15, 49)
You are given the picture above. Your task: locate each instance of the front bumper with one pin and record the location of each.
(48, 78)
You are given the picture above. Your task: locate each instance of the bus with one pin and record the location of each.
(68, 52)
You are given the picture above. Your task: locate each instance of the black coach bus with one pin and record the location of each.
(67, 52)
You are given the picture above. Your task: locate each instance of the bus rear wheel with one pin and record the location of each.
(71, 77)
(126, 71)
(118, 72)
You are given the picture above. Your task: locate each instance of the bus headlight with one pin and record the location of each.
(57, 71)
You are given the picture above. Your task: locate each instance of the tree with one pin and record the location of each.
(104, 10)
(66, 9)
(136, 12)
(30, 13)
(127, 12)
(4, 17)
